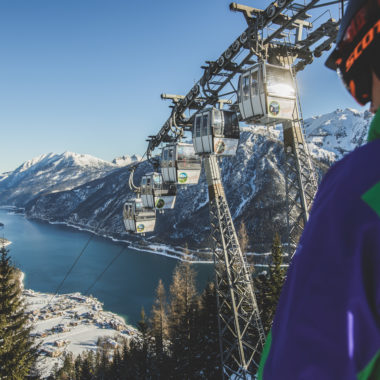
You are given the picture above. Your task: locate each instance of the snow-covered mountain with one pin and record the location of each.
(126, 160)
(253, 181)
(333, 135)
(50, 173)
(3, 176)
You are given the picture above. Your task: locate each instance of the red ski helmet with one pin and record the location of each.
(357, 49)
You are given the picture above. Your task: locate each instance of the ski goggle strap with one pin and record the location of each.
(356, 64)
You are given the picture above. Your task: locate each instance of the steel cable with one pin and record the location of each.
(105, 270)
(71, 268)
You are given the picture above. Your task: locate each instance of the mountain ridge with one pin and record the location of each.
(253, 180)
(47, 173)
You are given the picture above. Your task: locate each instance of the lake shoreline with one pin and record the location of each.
(142, 244)
(45, 253)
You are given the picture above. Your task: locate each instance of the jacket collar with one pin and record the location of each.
(374, 129)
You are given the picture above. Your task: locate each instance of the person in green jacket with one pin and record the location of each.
(327, 323)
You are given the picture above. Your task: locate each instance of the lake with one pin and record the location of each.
(46, 252)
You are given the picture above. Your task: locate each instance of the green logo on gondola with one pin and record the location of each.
(160, 203)
(274, 108)
(220, 147)
(140, 228)
(182, 178)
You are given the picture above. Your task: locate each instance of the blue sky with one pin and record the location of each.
(86, 75)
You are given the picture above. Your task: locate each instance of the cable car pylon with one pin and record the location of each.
(216, 134)
(242, 335)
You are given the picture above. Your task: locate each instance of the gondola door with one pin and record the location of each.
(245, 104)
(127, 217)
(207, 136)
(147, 191)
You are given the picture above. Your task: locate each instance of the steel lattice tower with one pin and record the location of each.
(300, 179)
(241, 333)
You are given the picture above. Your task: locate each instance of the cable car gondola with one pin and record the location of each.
(138, 218)
(180, 164)
(267, 94)
(155, 193)
(216, 131)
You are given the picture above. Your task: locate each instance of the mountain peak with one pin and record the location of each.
(49, 173)
(126, 160)
(83, 160)
(337, 133)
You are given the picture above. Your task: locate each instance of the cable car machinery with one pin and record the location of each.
(273, 36)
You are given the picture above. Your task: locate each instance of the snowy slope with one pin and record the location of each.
(3, 176)
(48, 173)
(333, 135)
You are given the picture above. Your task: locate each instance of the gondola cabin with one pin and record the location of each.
(216, 131)
(267, 94)
(137, 218)
(155, 193)
(180, 164)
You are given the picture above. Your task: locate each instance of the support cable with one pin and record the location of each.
(96, 280)
(71, 268)
(105, 269)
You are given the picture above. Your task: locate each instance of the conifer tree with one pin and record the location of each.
(159, 319)
(140, 350)
(115, 372)
(269, 285)
(86, 372)
(66, 372)
(276, 272)
(159, 331)
(77, 367)
(102, 363)
(208, 364)
(182, 313)
(17, 351)
(243, 243)
(126, 369)
(143, 327)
